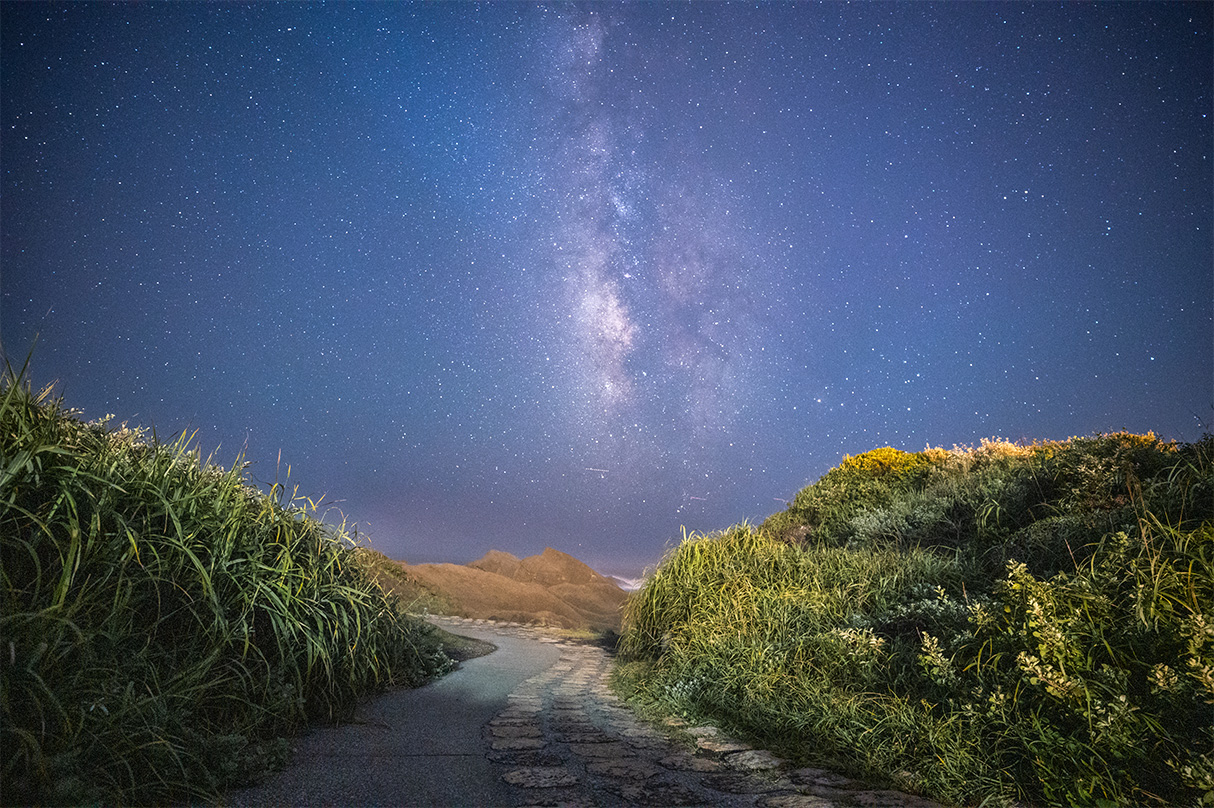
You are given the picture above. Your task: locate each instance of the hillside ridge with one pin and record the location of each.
(551, 588)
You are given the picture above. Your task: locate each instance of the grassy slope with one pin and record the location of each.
(165, 623)
(414, 595)
(1002, 623)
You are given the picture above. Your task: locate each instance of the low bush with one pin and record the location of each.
(164, 623)
(1006, 623)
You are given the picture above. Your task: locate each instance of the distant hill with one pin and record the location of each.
(552, 588)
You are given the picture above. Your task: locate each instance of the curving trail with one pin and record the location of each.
(534, 723)
(412, 747)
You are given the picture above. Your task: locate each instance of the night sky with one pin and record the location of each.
(513, 276)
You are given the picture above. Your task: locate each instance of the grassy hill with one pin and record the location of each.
(164, 624)
(983, 625)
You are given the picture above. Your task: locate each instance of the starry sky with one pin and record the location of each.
(517, 275)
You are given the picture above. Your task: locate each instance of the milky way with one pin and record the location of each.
(508, 276)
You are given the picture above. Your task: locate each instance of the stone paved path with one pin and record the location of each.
(564, 739)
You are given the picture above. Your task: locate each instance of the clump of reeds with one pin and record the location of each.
(164, 624)
(1006, 623)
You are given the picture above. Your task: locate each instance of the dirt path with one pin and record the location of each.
(534, 723)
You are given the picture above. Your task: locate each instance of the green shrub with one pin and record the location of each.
(1031, 623)
(164, 623)
(784, 643)
(1102, 676)
(868, 481)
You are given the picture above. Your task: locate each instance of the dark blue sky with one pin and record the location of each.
(508, 276)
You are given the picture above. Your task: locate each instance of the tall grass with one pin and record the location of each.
(164, 622)
(1003, 623)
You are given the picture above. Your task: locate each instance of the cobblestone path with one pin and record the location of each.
(564, 739)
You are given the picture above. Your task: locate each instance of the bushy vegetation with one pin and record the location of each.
(996, 624)
(164, 623)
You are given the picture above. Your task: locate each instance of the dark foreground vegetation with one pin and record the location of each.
(988, 625)
(164, 623)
